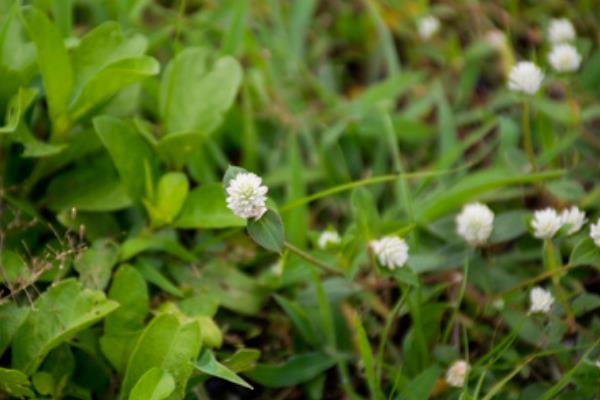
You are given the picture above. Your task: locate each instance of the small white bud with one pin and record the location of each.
(457, 373)
(541, 300)
(561, 30)
(574, 218)
(391, 251)
(595, 232)
(475, 223)
(564, 58)
(525, 77)
(428, 26)
(546, 223)
(329, 238)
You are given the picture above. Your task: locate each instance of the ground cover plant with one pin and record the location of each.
(299, 199)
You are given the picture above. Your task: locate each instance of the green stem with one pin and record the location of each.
(461, 294)
(304, 255)
(386, 330)
(527, 140)
(555, 271)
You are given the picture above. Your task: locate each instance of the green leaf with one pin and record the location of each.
(297, 369)
(95, 264)
(208, 364)
(508, 226)
(14, 383)
(165, 240)
(267, 231)
(585, 253)
(16, 108)
(366, 356)
(171, 194)
(123, 327)
(205, 207)
(59, 313)
(299, 318)
(473, 186)
(242, 360)
(153, 275)
(585, 302)
(166, 343)
(53, 61)
(11, 318)
(178, 148)
(155, 384)
(110, 80)
(422, 386)
(91, 187)
(194, 98)
(129, 152)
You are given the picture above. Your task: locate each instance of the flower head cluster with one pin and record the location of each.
(495, 38)
(428, 26)
(574, 218)
(525, 77)
(329, 238)
(546, 223)
(541, 300)
(561, 30)
(246, 196)
(391, 251)
(475, 223)
(457, 373)
(595, 232)
(564, 58)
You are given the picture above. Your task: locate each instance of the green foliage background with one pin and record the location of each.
(124, 275)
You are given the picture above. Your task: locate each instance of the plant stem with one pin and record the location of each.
(527, 141)
(386, 330)
(304, 255)
(552, 267)
(461, 293)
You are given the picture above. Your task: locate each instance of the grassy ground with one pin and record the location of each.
(125, 275)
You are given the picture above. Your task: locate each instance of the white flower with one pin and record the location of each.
(391, 251)
(246, 196)
(574, 218)
(525, 77)
(541, 300)
(595, 232)
(546, 223)
(457, 373)
(475, 223)
(428, 26)
(560, 31)
(328, 238)
(564, 58)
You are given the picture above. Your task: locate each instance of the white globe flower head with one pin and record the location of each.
(475, 223)
(329, 238)
(595, 232)
(391, 251)
(457, 373)
(564, 58)
(541, 300)
(546, 223)
(561, 30)
(574, 218)
(525, 77)
(428, 26)
(246, 196)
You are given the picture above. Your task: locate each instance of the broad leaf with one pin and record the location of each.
(155, 384)
(170, 196)
(95, 264)
(59, 313)
(297, 369)
(14, 383)
(11, 318)
(208, 364)
(267, 231)
(205, 207)
(166, 343)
